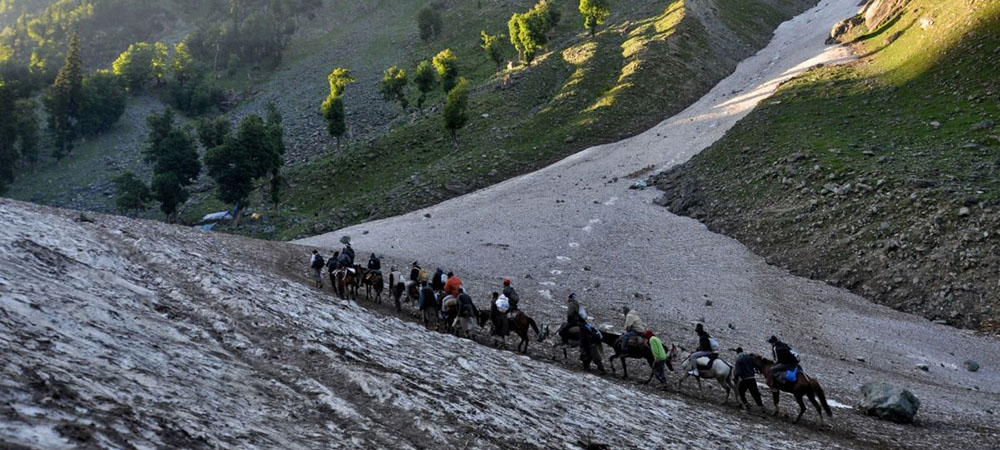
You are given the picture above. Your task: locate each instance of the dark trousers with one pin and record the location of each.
(658, 371)
(749, 384)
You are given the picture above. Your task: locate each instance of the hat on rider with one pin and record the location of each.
(739, 350)
(699, 327)
(625, 309)
(572, 296)
(648, 334)
(772, 340)
(506, 281)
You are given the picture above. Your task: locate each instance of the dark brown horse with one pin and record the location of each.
(803, 386)
(373, 282)
(519, 324)
(633, 351)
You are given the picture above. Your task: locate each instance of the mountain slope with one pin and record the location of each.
(879, 177)
(130, 334)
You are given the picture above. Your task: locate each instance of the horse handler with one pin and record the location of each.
(659, 356)
(746, 379)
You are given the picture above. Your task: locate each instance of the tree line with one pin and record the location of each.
(237, 160)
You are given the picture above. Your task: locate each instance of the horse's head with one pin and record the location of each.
(760, 363)
(545, 333)
(484, 316)
(673, 353)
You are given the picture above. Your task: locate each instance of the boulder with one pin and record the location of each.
(878, 12)
(842, 28)
(889, 402)
(971, 365)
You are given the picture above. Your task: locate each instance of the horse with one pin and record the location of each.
(345, 282)
(570, 339)
(373, 282)
(720, 370)
(803, 386)
(396, 287)
(519, 325)
(633, 351)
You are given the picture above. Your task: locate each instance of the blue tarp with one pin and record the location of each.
(221, 215)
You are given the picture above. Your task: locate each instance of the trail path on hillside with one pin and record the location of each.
(575, 226)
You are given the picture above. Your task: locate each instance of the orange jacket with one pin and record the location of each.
(451, 286)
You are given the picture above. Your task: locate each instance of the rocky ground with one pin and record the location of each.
(575, 226)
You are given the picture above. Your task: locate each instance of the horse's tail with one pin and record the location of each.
(822, 398)
(533, 325)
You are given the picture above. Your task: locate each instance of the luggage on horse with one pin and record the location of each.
(503, 304)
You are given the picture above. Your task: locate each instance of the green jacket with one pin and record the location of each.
(656, 345)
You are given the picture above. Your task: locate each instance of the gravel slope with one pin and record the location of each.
(575, 226)
(158, 336)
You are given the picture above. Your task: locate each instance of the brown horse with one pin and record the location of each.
(519, 325)
(373, 282)
(633, 351)
(346, 283)
(803, 386)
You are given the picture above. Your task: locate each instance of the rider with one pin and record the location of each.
(453, 285)
(467, 312)
(415, 272)
(746, 379)
(633, 326)
(573, 317)
(784, 358)
(332, 264)
(704, 348)
(345, 260)
(349, 252)
(374, 264)
(659, 355)
(437, 281)
(511, 294)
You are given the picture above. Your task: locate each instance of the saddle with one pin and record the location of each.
(707, 366)
(637, 341)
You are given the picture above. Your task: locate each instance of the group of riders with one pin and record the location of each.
(441, 297)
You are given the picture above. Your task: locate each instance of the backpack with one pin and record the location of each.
(714, 344)
(796, 355)
(422, 276)
(318, 262)
(503, 305)
(583, 313)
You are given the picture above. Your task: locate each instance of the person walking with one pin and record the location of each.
(316, 263)
(659, 356)
(746, 379)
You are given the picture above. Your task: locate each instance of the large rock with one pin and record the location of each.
(889, 402)
(878, 12)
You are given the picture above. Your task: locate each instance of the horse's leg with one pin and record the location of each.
(812, 399)
(725, 385)
(698, 379)
(802, 407)
(624, 367)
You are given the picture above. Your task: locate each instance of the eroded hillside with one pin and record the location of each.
(880, 177)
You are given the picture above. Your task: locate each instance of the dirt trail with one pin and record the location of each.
(574, 226)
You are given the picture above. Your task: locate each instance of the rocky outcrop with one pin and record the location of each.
(878, 12)
(889, 402)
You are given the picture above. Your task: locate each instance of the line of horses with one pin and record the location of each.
(347, 283)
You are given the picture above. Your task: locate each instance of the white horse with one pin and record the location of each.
(720, 370)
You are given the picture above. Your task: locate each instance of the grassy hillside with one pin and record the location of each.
(648, 62)
(879, 176)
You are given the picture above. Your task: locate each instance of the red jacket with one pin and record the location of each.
(451, 286)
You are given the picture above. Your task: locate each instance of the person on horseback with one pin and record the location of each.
(345, 261)
(659, 355)
(511, 294)
(705, 349)
(453, 285)
(316, 264)
(633, 327)
(746, 379)
(467, 312)
(349, 252)
(573, 317)
(415, 272)
(498, 315)
(374, 264)
(437, 280)
(784, 358)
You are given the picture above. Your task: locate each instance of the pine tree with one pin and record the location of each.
(426, 79)
(594, 12)
(491, 45)
(64, 101)
(132, 194)
(446, 64)
(172, 153)
(456, 113)
(333, 106)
